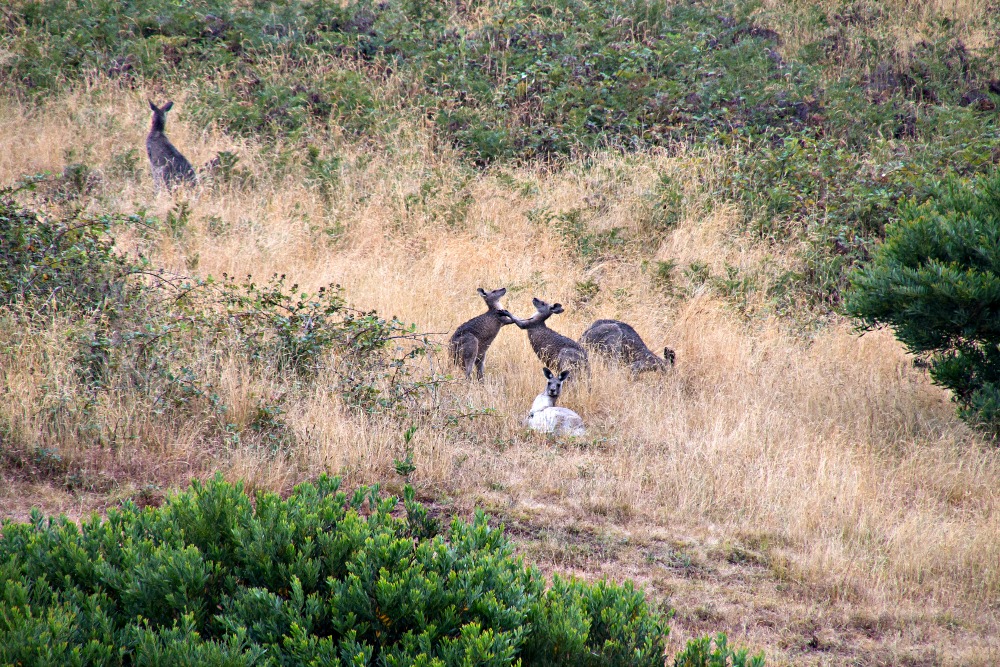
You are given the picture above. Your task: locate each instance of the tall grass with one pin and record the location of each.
(824, 464)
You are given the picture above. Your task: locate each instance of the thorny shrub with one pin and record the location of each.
(160, 341)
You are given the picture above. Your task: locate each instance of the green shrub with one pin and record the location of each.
(936, 281)
(528, 80)
(322, 577)
(701, 653)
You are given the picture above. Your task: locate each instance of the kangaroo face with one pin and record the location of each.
(545, 309)
(555, 383)
(492, 298)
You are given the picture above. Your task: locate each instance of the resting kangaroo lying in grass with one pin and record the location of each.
(619, 341)
(546, 417)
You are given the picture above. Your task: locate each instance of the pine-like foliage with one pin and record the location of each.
(321, 578)
(936, 281)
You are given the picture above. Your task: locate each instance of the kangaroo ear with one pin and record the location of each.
(167, 107)
(557, 308)
(152, 106)
(482, 292)
(536, 302)
(501, 291)
(563, 376)
(547, 372)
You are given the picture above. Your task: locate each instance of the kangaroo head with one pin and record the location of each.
(554, 386)
(652, 363)
(160, 115)
(492, 298)
(543, 310)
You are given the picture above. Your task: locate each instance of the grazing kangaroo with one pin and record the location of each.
(619, 341)
(168, 165)
(471, 340)
(552, 348)
(548, 418)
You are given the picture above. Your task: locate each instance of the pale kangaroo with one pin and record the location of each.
(618, 341)
(169, 167)
(471, 340)
(552, 348)
(546, 417)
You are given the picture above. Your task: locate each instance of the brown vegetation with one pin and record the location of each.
(806, 490)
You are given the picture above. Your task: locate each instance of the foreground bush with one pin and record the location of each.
(701, 653)
(215, 578)
(936, 282)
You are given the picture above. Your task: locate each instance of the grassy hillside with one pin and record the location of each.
(706, 171)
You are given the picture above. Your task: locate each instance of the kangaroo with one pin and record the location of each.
(619, 341)
(552, 348)
(546, 417)
(471, 340)
(168, 165)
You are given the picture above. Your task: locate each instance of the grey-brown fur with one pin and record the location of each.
(472, 339)
(619, 341)
(169, 166)
(552, 348)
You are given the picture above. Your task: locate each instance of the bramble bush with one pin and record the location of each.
(214, 577)
(936, 282)
(528, 80)
(159, 341)
(70, 261)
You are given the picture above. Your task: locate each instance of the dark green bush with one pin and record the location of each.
(323, 578)
(936, 281)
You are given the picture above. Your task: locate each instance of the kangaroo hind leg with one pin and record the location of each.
(466, 353)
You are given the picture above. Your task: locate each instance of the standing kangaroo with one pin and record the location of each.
(552, 348)
(168, 165)
(471, 340)
(548, 418)
(619, 341)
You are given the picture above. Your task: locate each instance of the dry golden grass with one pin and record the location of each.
(811, 494)
(903, 23)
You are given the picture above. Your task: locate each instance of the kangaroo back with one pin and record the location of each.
(557, 421)
(554, 349)
(619, 341)
(169, 167)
